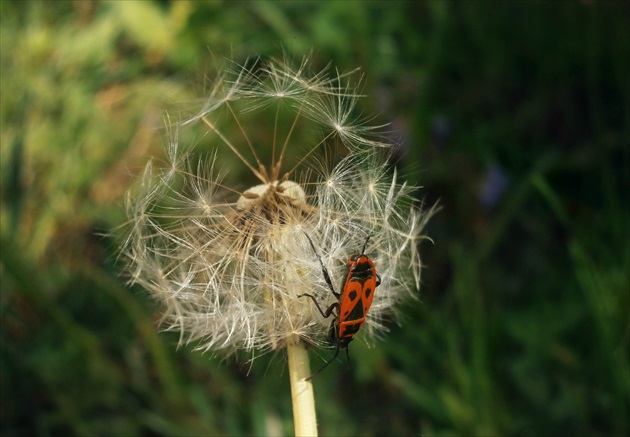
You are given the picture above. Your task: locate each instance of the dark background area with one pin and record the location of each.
(513, 116)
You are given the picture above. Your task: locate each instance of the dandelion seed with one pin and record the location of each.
(229, 261)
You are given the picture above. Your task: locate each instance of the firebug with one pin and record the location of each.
(353, 303)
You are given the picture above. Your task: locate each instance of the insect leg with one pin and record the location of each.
(325, 365)
(328, 311)
(332, 332)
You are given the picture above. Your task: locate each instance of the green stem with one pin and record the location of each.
(302, 398)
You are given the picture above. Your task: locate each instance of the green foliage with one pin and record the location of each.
(515, 115)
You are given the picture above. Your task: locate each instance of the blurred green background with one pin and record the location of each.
(513, 115)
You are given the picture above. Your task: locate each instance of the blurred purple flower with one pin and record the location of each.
(493, 186)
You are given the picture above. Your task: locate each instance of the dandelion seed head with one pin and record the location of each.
(228, 259)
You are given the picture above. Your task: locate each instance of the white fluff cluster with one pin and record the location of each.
(228, 261)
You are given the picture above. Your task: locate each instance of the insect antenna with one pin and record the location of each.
(365, 245)
(324, 269)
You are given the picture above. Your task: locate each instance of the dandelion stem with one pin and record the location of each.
(301, 390)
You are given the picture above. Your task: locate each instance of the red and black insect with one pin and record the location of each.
(353, 303)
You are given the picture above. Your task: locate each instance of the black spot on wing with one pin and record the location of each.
(357, 312)
(352, 295)
(368, 291)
